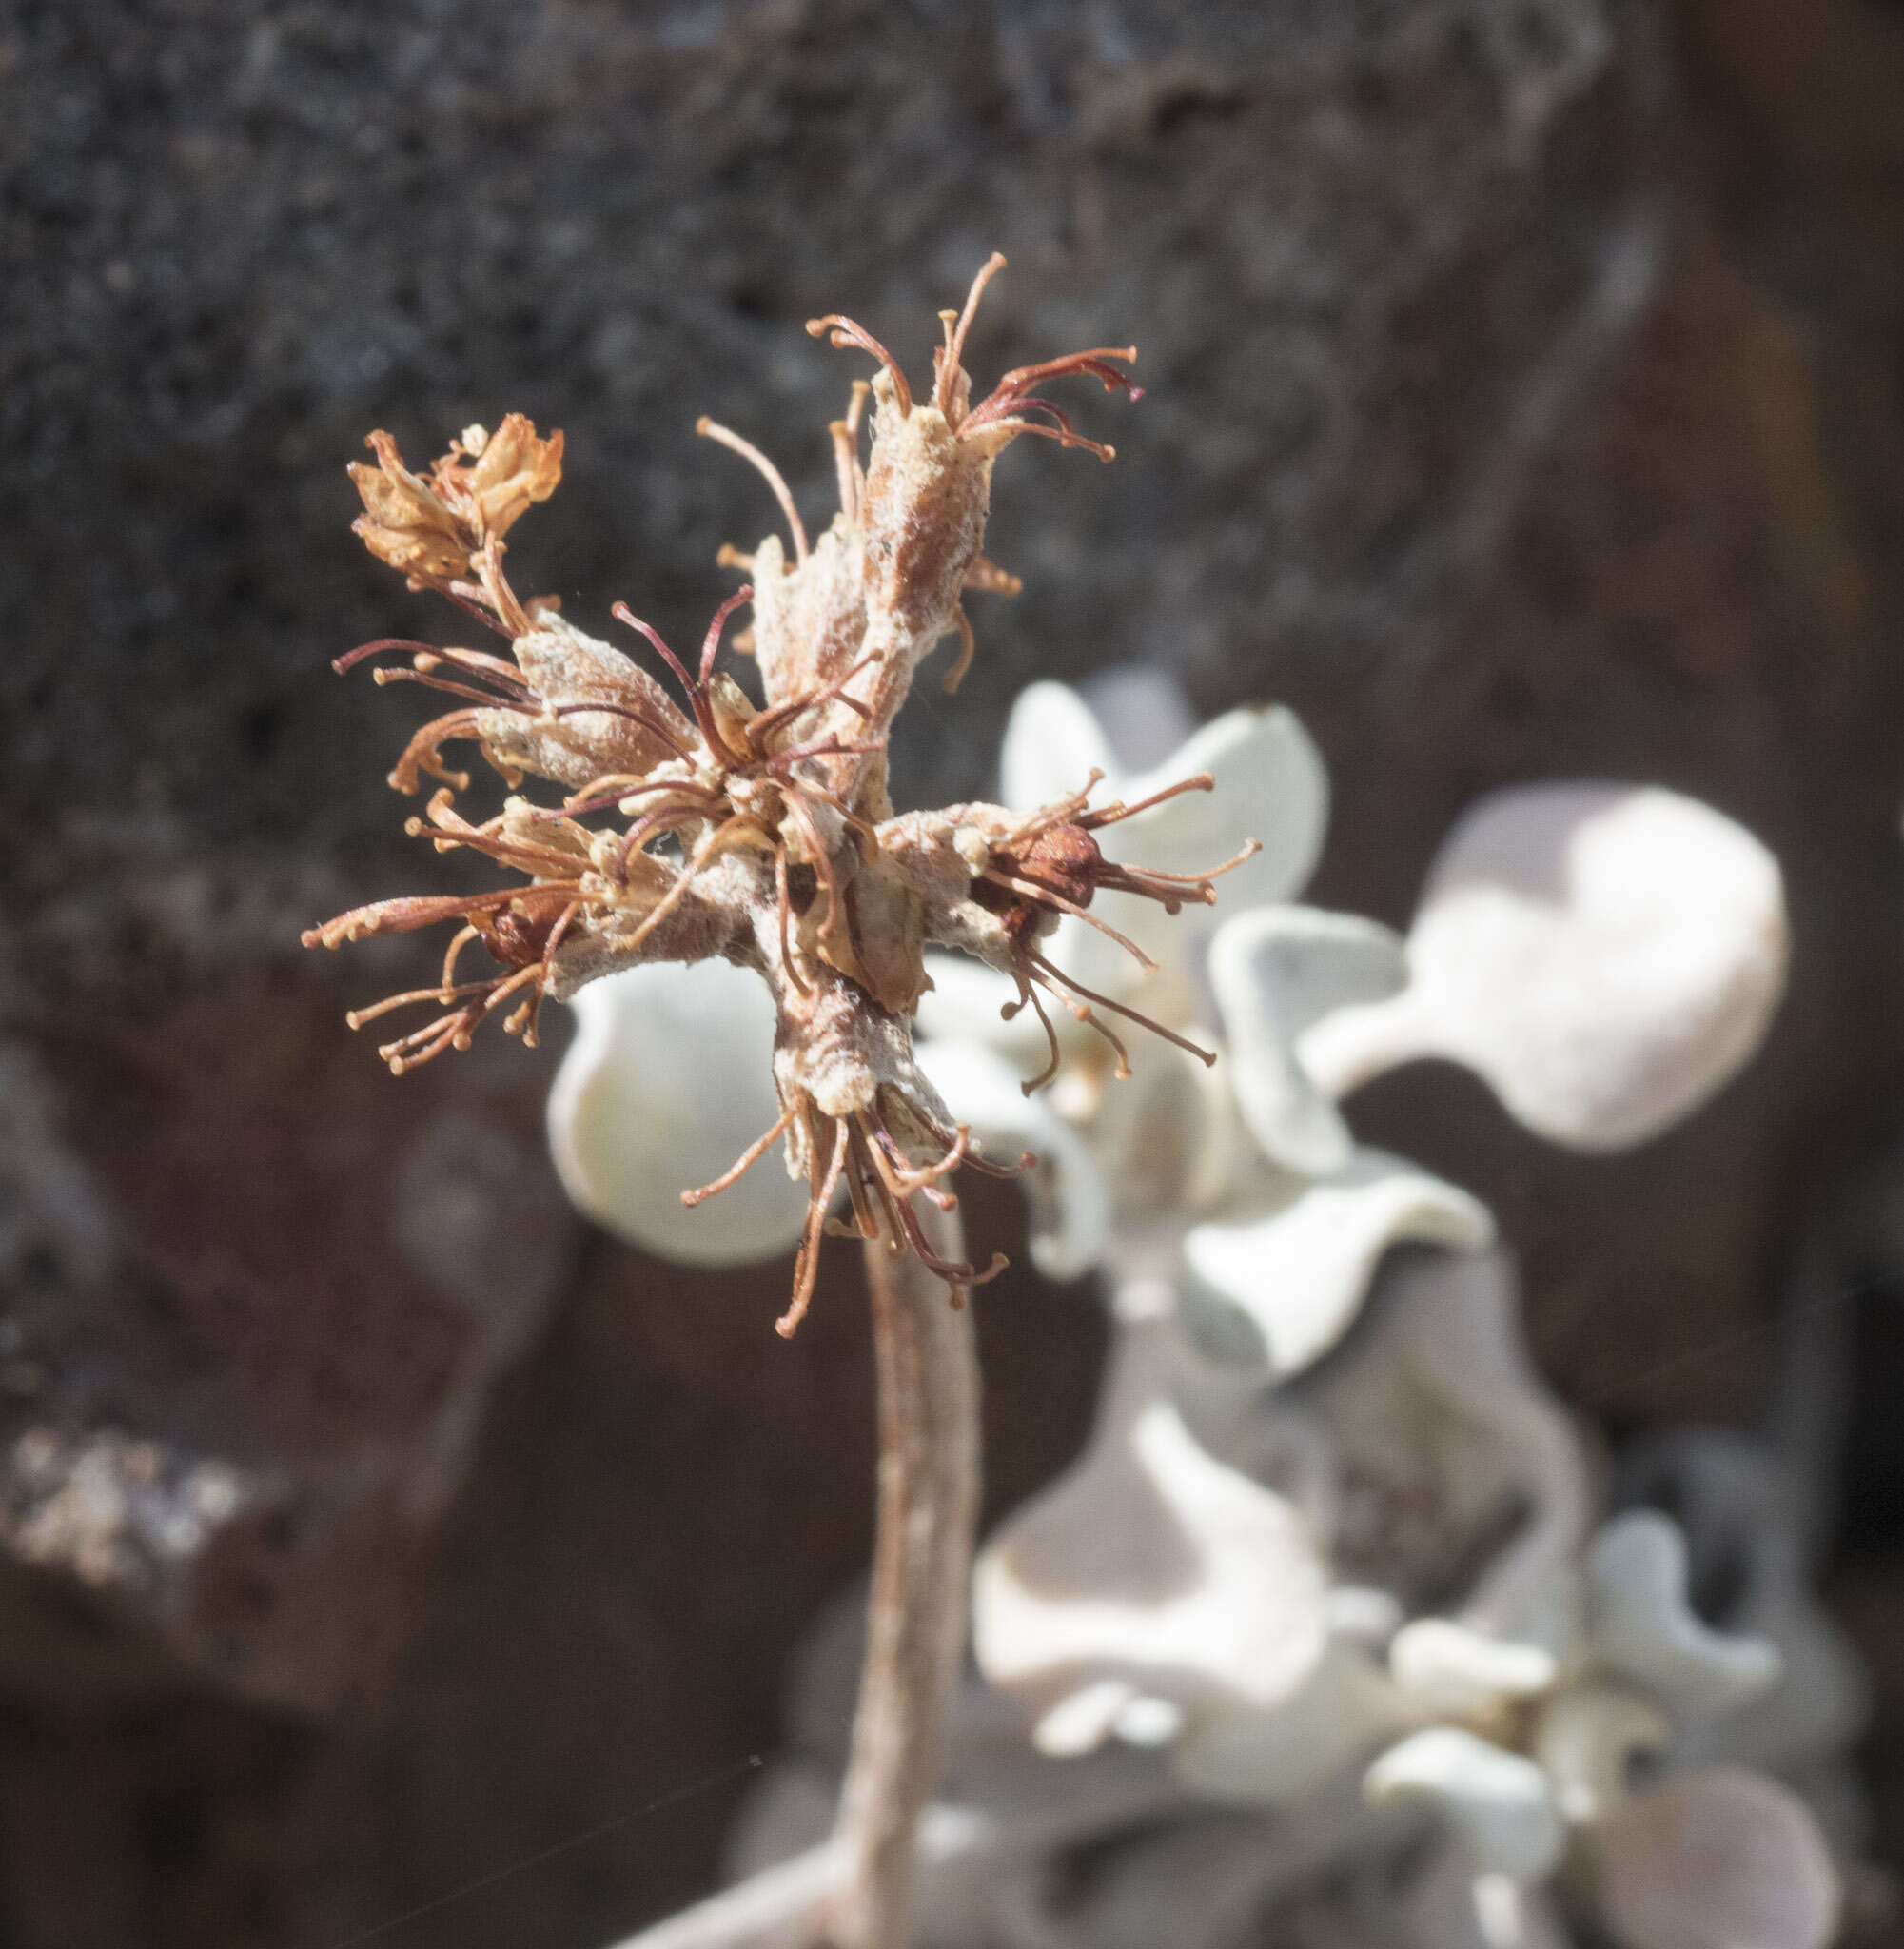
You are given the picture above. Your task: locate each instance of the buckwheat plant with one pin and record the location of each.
(703, 826)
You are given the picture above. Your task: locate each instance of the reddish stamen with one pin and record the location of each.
(711, 643)
(711, 429)
(842, 332)
(1204, 1057)
(744, 1163)
(955, 337)
(806, 1267)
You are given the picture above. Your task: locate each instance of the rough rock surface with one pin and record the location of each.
(1521, 401)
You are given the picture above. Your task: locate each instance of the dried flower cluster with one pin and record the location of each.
(706, 826)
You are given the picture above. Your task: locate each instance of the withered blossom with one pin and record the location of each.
(702, 826)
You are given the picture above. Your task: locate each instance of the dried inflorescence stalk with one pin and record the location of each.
(701, 825)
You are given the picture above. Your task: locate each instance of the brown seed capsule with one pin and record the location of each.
(1061, 859)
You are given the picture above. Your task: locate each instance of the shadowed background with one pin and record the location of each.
(1523, 400)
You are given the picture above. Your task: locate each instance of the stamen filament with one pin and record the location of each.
(955, 337)
(807, 1268)
(712, 429)
(1044, 897)
(1205, 1057)
(745, 1162)
(842, 332)
(712, 642)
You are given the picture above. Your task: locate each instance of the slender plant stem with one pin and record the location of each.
(928, 1503)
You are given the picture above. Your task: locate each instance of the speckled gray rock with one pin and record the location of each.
(1379, 259)
(240, 236)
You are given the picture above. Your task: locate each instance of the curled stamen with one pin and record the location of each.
(1044, 897)
(413, 1052)
(1061, 813)
(967, 646)
(842, 332)
(711, 429)
(974, 1160)
(635, 715)
(1117, 809)
(523, 1022)
(1064, 981)
(846, 469)
(918, 1175)
(1014, 394)
(449, 829)
(745, 1162)
(355, 1018)
(711, 643)
(519, 854)
(1022, 378)
(668, 813)
(955, 333)
(695, 693)
(860, 1193)
(823, 1182)
(499, 670)
(423, 753)
(784, 906)
(1082, 1015)
(623, 614)
(678, 891)
(384, 673)
(1028, 994)
(1146, 879)
(771, 720)
(451, 954)
(413, 912)
(828, 746)
(898, 1181)
(1062, 435)
(470, 600)
(515, 620)
(991, 580)
(624, 790)
(958, 1273)
(607, 782)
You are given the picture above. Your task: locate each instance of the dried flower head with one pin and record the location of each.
(703, 826)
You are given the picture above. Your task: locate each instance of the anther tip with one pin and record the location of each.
(702, 425)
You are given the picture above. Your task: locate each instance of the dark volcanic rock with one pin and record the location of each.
(1499, 417)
